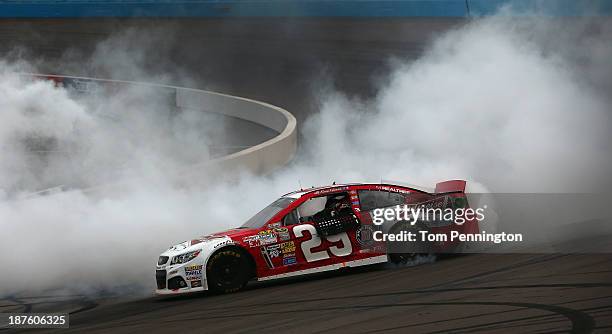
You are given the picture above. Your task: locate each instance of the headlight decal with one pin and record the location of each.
(185, 257)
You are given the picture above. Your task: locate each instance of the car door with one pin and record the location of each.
(314, 248)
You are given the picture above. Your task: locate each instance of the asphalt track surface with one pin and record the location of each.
(552, 293)
(277, 62)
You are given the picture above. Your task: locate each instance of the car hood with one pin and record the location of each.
(234, 233)
(208, 241)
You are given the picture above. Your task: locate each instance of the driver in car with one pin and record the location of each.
(336, 205)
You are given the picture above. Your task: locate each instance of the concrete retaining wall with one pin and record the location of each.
(259, 159)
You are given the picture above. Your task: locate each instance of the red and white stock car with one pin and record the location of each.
(303, 232)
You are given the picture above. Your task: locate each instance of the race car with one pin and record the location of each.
(309, 231)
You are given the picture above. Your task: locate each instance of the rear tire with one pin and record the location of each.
(228, 270)
(399, 255)
(404, 258)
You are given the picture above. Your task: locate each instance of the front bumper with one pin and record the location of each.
(182, 278)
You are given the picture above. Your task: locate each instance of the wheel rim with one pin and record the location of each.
(227, 269)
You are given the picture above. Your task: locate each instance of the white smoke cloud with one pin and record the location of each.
(494, 101)
(486, 102)
(51, 136)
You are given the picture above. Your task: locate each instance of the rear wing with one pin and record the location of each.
(450, 186)
(460, 199)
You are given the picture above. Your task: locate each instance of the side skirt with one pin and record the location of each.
(356, 263)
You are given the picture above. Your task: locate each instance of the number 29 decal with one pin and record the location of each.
(315, 242)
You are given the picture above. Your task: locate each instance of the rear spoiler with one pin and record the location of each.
(451, 186)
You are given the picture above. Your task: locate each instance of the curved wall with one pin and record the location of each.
(259, 159)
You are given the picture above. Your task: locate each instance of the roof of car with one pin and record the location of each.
(302, 192)
(299, 193)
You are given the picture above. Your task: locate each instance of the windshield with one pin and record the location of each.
(268, 212)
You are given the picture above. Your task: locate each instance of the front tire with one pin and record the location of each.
(228, 270)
